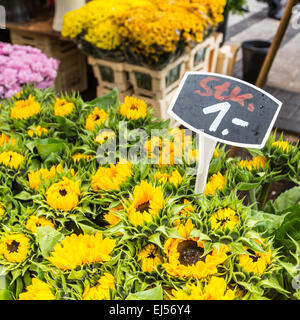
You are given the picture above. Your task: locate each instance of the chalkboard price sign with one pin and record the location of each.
(225, 109)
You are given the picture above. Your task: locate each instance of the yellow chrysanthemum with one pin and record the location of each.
(11, 159)
(257, 163)
(185, 257)
(14, 247)
(4, 139)
(101, 291)
(38, 131)
(150, 258)
(104, 136)
(112, 216)
(63, 108)
(24, 109)
(216, 289)
(224, 218)
(146, 204)
(35, 178)
(216, 182)
(80, 156)
(283, 145)
(78, 250)
(33, 222)
(96, 118)
(111, 178)
(254, 261)
(175, 178)
(38, 290)
(63, 195)
(133, 108)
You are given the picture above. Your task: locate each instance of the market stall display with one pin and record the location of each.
(82, 217)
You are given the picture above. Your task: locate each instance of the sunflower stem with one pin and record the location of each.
(252, 197)
(263, 196)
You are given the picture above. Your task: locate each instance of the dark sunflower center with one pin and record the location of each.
(97, 117)
(143, 207)
(134, 107)
(63, 192)
(151, 255)
(13, 246)
(222, 221)
(252, 255)
(38, 224)
(189, 252)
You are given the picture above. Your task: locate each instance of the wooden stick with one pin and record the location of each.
(261, 80)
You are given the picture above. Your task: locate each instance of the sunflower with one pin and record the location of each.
(147, 203)
(216, 182)
(216, 154)
(96, 118)
(2, 211)
(101, 291)
(38, 131)
(104, 136)
(80, 156)
(4, 139)
(254, 261)
(224, 218)
(283, 145)
(150, 258)
(63, 108)
(78, 250)
(133, 108)
(24, 109)
(111, 178)
(11, 159)
(186, 257)
(63, 195)
(215, 289)
(112, 216)
(14, 247)
(174, 178)
(257, 163)
(33, 222)
(187, 210)
(38, 290)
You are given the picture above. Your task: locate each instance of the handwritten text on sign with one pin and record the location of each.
(227, 109)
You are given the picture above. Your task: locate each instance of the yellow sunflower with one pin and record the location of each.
(224, 218)
(80, 156)
(4, 139)
(78, 250)
(2, 211)
(14, 247)
(112, 216)
(215, 289)
(38, 131)
(133, 108)
(216, 182)
(187, 210)
(11, 159)
(150, 258)
(111, 178)
(101, 291)
(186, 256)
(63, 108)
(104, 136)
(254, 261)
(63, 195)
(257, 163)
(38, 290)
(24, 109)
(96, 118)
(175, 178)
(283, 145)
(146, 204)
(33, 222)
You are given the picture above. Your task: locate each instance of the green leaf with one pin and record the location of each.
(109, 99)
(47, 238)
(24, 195)
(236, 248)
(5, 295)
(273, 283)
(46, 147)
(287, 199)
(246, 186)
(151, 294)
(198, 234)
(155, 238)
(77, 275)
(88, 229)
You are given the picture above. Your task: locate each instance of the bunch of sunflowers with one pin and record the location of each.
(149, 31)
(92, 207)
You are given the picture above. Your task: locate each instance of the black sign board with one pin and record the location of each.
(225, 109)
